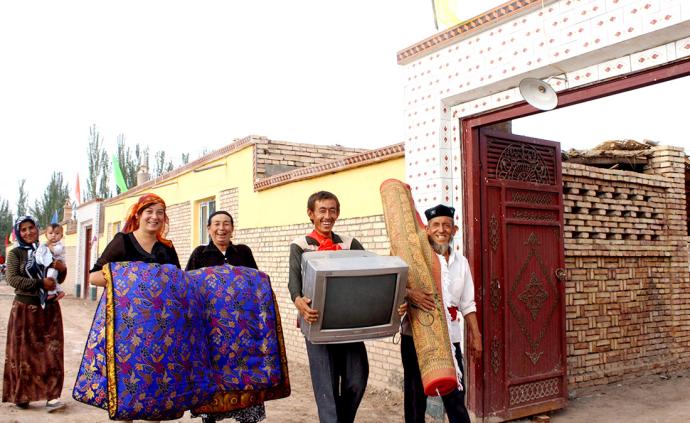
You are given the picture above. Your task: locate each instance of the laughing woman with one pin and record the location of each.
(141, 239)
(219, 251)
(34, 362)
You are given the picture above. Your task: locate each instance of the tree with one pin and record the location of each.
(130, 162)
(104, 182)
(53, 200)
(6, 223)
(97, 180)
(22, 199)
(185, 159)
(161, 166)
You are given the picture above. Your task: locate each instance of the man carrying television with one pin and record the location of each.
(458, 296)
(339, 372)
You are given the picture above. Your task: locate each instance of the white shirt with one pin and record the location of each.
(458, 291)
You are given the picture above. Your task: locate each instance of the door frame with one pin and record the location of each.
(471, 174)
(88, 233)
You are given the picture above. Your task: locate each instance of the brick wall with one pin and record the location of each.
(627, 270)
(273, 157)
(271, 250)
(229, 202)
(180, 233)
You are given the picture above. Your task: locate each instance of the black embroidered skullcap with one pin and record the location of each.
(440, 210)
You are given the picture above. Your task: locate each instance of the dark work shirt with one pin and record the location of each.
(306, 243)
(125, 247)
(209, 255)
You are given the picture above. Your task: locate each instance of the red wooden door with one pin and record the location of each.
(522, 296)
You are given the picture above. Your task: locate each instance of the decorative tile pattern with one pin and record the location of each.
(462, 66)
(614, 67)
(474, 25)
(648, 58)
(683, 48)
(583, 76)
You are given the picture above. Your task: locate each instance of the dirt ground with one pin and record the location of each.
(649, 399)
(378, 405)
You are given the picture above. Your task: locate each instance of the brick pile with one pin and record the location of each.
(627, 311)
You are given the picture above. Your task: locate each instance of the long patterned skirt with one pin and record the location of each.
(34, 361)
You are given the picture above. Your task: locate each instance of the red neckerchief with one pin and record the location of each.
(325, 244)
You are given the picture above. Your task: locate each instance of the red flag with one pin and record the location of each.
(77, 191)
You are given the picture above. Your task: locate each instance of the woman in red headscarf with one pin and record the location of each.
(141, 239)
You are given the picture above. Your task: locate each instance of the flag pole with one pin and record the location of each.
(433, 8)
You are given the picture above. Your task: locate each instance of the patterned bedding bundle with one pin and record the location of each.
(164, 341)
(245, 338)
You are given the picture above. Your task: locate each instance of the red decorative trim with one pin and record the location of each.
(477, 24)
(357, 160)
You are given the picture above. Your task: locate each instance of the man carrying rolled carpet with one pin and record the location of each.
(458, 296)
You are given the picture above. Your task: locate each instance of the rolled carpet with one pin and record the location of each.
(429, 329)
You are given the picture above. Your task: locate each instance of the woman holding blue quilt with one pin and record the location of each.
(219, 251)
(141, 239)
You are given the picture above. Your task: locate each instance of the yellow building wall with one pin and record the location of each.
(356, 188)
(69, 240)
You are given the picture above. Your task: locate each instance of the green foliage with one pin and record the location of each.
(97, 185)
(53, 200)
(6, 222)
(161, 165)
(22, 199)
(104, 180)
(131, 160)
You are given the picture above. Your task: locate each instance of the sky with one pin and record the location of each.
(192, 76)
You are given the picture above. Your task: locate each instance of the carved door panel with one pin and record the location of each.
(522, 304)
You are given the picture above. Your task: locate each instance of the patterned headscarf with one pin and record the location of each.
(34, 269)
(132, 221)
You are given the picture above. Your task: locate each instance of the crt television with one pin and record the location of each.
(356, 292)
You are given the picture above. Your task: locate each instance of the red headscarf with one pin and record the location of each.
(132, 221)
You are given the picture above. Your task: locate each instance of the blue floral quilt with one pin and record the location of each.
(164, 341)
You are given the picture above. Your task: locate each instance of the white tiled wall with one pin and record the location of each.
(87, 215)
(589, 40)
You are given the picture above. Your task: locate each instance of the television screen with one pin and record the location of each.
(358, 301)
(357, 294)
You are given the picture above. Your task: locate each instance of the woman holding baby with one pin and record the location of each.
(34, 363)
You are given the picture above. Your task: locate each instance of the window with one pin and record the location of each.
(206, 208)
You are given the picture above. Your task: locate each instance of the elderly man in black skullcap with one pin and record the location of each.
(458, 296)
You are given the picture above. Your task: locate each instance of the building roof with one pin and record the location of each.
(297, 169)
(356, 160)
